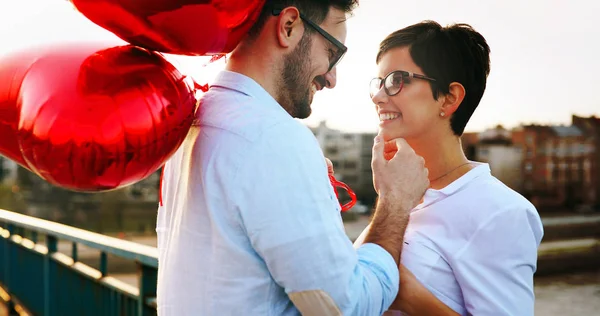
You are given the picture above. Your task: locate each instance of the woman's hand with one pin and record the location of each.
(414, 298)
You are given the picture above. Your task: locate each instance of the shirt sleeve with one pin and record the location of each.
(292, 218)
(495, 268)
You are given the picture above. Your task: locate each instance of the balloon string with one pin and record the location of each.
(204, 87)
(160, 185)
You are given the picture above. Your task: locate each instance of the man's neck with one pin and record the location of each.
(256, 66)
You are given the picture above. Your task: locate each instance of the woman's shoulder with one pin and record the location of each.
(487, 191)
(486, 198)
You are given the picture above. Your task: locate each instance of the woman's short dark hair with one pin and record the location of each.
(455, 53)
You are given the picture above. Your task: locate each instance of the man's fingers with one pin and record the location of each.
(378, 147)
(394, 146)
(329, 166)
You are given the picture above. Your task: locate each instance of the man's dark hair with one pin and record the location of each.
(456, 53)
(315, 10)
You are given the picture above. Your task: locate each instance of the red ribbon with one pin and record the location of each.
(335, 183)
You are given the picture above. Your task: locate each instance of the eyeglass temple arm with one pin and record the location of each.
(420, 76)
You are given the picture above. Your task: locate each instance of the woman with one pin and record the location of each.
(472, 242)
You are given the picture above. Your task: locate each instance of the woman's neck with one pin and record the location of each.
(444, 157)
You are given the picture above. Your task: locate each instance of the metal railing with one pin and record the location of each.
(34, 275)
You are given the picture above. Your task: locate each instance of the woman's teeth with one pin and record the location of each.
(388, 116)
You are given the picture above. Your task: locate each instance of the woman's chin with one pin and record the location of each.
(392, 132)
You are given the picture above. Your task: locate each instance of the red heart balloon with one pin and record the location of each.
(89, 118)
(184, 27)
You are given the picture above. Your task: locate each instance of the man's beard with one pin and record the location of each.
(295, 84)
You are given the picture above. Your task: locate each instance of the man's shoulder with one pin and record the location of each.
(251, 118)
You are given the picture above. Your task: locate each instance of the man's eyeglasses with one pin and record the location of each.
(341, 49)
(393, 82)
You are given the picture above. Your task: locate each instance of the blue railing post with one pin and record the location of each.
(8, 264)
(52, 245)
(103, 263)
(74, 252)
(147, 277)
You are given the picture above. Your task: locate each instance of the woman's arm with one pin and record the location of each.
(414, 299)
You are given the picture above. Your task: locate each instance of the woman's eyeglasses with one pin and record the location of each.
(394, 82)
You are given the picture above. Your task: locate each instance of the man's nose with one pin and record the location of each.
(331, 78)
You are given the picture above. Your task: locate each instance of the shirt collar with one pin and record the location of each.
(241, 83)
(432, 195)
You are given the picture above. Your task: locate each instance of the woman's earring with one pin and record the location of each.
(442, 114)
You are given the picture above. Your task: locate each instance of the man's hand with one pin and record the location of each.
(399, 174)
(400, 182)
(329, 166)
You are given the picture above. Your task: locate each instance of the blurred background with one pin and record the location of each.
(538, 126)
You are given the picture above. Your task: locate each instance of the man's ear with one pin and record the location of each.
(453, 99)
(289, 27)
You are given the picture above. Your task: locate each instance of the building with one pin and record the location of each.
(8, 171)
(496, 148)
(556, 165)
(590, 126)
(469, 142)
(350, 154)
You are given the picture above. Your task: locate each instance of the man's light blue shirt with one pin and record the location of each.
(249, 217)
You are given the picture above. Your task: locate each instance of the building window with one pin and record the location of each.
(331, 150)
(587, 165)
(581, 148)
(350, 164)
(541, 151)
(351, 178)
(529, 153)
(529, 139)
(549, 149)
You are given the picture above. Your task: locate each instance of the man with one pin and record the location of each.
(250, 223)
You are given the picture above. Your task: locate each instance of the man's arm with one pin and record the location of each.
(400, 179)
(293, 222)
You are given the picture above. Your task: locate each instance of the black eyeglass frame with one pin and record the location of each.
(405, 74)
(342, 49)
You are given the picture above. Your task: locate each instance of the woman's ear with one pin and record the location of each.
(453, 99)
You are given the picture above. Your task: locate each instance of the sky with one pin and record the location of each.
(545, 54)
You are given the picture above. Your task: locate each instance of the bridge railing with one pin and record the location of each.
(33, 274)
